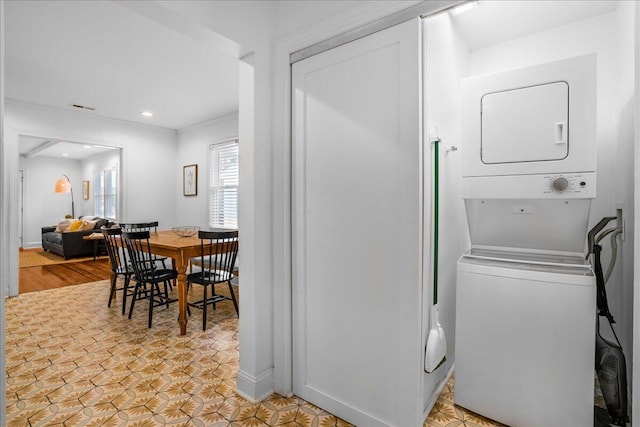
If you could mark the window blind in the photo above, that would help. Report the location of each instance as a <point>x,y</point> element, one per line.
<point>223,185</point>
<point>110,193</point>
<point>105,193</point>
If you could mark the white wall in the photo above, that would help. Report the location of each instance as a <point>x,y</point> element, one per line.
<point>43,207</point>
<point>148,155</point>
<point>611,36</point>
<point>635,409</point>
<point>622,179</point>
<point>193,148</point>
<point>446,63</point>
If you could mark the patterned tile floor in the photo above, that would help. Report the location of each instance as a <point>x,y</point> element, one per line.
<point>446,414</point>
<point>71,361</point>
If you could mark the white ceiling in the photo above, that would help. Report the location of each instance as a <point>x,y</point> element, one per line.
<point>496,21</point>
<point>102,55</point>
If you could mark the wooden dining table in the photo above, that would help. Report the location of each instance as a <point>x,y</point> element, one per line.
<point>180,250</point>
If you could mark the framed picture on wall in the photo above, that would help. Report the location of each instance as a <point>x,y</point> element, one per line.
<point>190,180</point>
<point>85,190</point>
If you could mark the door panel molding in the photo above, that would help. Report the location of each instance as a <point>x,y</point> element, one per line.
<point>357,228</point>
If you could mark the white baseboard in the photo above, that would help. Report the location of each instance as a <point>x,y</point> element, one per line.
<point>436,393</point>
<point>255,389</point>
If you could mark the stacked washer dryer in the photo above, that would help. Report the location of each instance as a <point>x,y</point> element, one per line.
<point>526,298</point>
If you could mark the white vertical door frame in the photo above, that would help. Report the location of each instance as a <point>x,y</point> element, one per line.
<point>21,207</point>
<point>357,228</point>
<point>9,213</point>
<point>5,244</point>
<point>635,403</point>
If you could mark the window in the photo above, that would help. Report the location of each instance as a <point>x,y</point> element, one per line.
<point>105,193</point>
<point>223,185</point>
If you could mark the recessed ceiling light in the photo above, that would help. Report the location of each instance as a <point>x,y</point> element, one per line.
<point>65,154</point>
<point>464,7</point>
<point>147,113</point>
<point>88,146</point>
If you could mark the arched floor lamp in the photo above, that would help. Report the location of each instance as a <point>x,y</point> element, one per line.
<point>63,185</point>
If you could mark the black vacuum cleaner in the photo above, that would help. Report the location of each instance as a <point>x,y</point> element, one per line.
<point>610,362</point>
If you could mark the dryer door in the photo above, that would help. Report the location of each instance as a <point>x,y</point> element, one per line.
<point>534,120</point>
<point>527,124</point>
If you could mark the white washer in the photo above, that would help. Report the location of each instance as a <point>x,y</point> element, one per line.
<point>525,338</point>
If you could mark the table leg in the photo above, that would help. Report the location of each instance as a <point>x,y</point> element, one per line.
<point>182,296</point>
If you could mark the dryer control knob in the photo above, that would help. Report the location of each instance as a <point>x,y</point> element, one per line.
<point>560,184</point>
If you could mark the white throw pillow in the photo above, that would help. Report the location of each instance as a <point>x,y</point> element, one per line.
<point>87,225</point>
<point>63,225</point>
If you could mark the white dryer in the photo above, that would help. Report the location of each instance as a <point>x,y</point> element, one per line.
<point>526,297</point>
<point>534,120</point>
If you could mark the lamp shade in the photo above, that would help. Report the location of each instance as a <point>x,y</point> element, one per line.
<point>63,185</point>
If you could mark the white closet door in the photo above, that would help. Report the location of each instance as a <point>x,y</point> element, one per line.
<point>357,194</point>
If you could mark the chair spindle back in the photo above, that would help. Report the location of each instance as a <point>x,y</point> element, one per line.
<point>218,251</point>
<point>139,251</point>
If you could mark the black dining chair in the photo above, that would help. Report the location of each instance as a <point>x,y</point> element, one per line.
<point>147,275</point>
<point>120,266</point>
<point>144,226</point>
<point>140,226</point>
<point>218,252</point>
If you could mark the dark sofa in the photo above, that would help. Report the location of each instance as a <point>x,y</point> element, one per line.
<point>70,244</point>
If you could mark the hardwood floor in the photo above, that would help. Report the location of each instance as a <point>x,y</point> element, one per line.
<point>59,275</point>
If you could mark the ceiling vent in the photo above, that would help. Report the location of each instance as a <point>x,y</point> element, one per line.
<point>82,107</point>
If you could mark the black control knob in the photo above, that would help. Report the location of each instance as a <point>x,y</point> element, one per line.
<point>560,184</point>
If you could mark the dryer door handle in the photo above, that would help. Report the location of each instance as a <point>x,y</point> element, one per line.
<point>561,132</point>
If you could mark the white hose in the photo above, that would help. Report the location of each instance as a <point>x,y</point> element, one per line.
<point>614,249</point>
<point>614,254</point>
